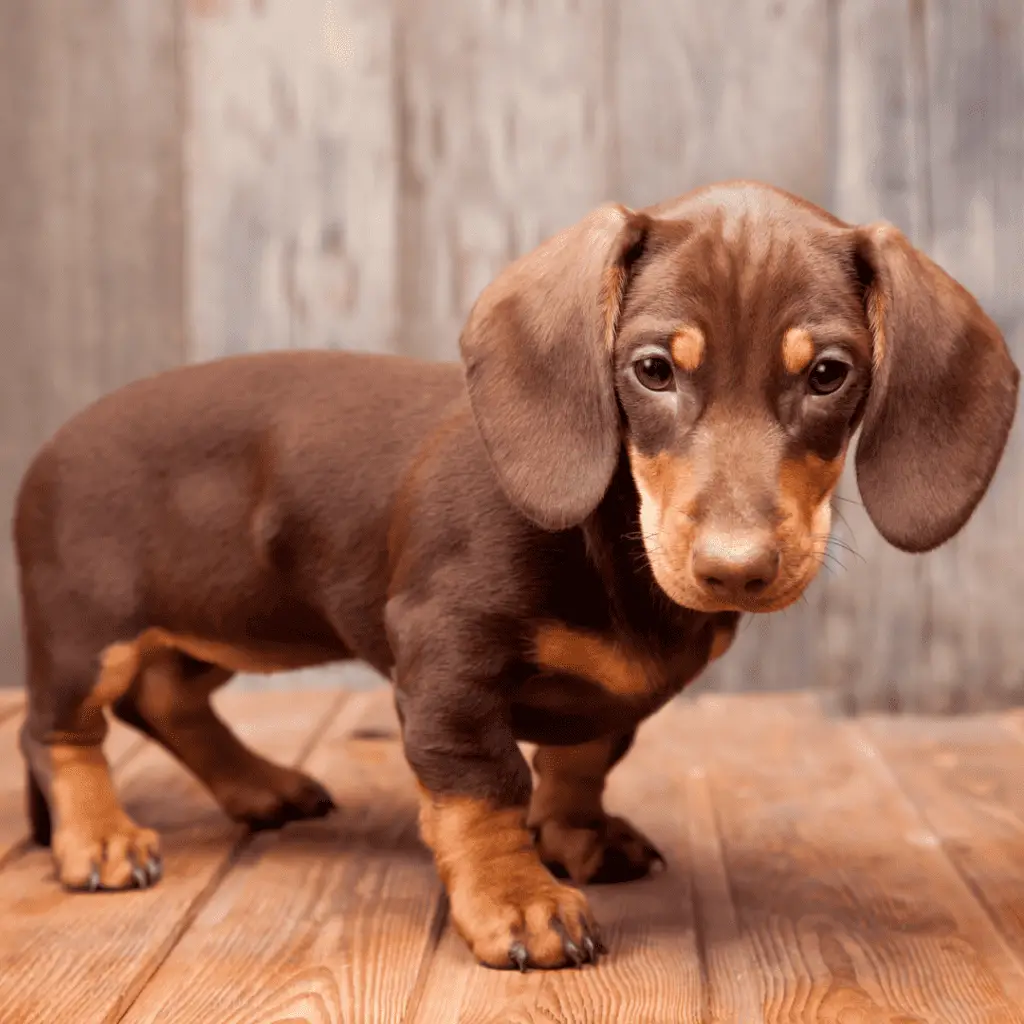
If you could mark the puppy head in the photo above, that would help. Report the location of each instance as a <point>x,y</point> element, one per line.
<point>731,342</point>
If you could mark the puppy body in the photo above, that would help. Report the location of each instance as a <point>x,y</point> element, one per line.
<point>654,412</point>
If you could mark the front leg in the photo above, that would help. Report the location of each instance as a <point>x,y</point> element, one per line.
<point>475,790</point>
<point>576,837</point>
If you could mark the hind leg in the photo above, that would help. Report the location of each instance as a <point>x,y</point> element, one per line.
<point>170,701</point>
<point>576,837</point>
<point>72,801</point>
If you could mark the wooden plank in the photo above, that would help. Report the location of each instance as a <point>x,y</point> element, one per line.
<point>966,778</point>
<point>504,124</point>
<point>91,283</point>
<point>345,906</point>
<point>649,926</point>
<point>292,176</point>
<point>705,92</point>
<point>845,911</point>
<point>68,957</point>
<point>122,744</point>
<point>874,607</point>
<point>975,61</point>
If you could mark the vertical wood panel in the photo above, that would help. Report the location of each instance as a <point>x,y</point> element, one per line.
<point>976,82</point>
<point>711,91</point>
<point>874,612</point>
<point>930,101</point>
<point>90,217</point>
<point>292,164</point>
<point>505,131</point>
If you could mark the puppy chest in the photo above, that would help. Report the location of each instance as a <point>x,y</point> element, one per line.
<point>621,671</point>
<point>611,668</point>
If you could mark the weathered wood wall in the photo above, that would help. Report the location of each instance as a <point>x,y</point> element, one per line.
<point>352,172</point>
<point>91,284</point>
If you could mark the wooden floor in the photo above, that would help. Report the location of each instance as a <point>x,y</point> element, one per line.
<point>819,870</point>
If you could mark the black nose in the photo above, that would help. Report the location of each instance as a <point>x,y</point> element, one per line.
<point>735,564</point>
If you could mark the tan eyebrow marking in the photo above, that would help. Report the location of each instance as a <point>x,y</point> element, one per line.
<point>688,348</point>
<point>797,349</point>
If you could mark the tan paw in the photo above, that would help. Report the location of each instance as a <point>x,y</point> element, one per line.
<point>271,801</point>
<point>604,852</point>
<point>106,854</point>
<point>526,922</point>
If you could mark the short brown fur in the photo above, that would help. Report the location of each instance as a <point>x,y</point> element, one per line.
<point>544,543</point>
<point>575,835</point>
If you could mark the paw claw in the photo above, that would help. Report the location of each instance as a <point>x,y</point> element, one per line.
<point>139,877</point>
<point>93,883</point>
<point>154,869</point>
<point>519,956</point>
<point>572,951</point>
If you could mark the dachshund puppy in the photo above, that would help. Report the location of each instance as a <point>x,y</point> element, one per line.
<point>545,543</point>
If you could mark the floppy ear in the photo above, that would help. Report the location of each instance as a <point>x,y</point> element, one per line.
<point>942,398</point>
<point>538,353</point>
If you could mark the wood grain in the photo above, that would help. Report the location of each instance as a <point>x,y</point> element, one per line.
<point>874,612</point>
<point>292,163</point>
<point>706,92</point>
<point>847,913</point>
<point>649,926</point>
<point>504,124</point>
<point>966,777</point>
<point>111,944</point>
<point>91,281</point>
<point>975,59</point>
<point>324,922</point>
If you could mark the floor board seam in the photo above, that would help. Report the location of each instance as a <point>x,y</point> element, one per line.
<point>438,923</point>
<point>144,976</point>
<point>863,739</point>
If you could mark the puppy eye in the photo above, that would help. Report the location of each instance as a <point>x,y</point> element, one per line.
<point>827,376</point>
<point>654,372</point>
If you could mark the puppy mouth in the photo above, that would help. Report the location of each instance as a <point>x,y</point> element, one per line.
<point>682,589</point>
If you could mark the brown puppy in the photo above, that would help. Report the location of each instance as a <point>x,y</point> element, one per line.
<point>654,413</point>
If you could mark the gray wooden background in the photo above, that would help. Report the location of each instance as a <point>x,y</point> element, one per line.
<point>182,180</point>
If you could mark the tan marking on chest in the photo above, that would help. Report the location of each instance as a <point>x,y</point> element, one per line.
<point>591,657</point>
<point>688,349</point>
<point>721,640</point>
<point>797,350</point>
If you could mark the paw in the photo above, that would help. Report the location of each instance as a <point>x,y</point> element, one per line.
<point>273,801</point>
<point>608,851</point>
<point>116,854</point>
<point>535,923</point>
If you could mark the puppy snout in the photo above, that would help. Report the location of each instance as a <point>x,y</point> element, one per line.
<point>735,565</point>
